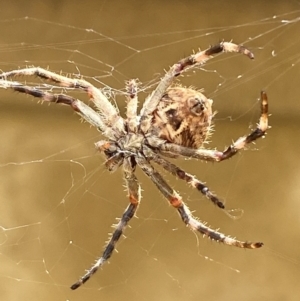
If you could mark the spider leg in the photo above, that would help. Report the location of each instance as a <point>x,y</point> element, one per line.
<point>78,106</point>
<point>134,193</point>
<point>215,155</point>
<point>254,135</point>
<point>176,201</point>
<point>132,104</point>
<point>103,105</point>
<point>177,69</point>
<point>181,174</point>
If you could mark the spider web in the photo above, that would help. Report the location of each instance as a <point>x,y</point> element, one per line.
<point>57,200</point>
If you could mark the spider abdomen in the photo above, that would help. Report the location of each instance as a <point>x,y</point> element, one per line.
<point>184,117</point>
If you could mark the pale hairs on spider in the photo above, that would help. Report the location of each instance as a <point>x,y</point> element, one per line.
<point>173,122</point>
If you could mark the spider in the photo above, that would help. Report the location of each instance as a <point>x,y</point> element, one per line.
<point>174,122</point>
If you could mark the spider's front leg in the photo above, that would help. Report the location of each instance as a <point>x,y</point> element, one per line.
<point>86,112</point>
<point>134,194</point>
<point>177,69</point>
<point>104,107</point>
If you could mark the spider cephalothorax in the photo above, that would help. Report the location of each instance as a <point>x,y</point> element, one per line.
<point>174,121</point>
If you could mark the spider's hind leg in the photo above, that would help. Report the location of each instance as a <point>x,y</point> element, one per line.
<point>134,194</point>
<point>175,200</point>
<point>181,174</point>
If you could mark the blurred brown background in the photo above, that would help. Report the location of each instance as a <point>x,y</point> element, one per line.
<point>57,202</point>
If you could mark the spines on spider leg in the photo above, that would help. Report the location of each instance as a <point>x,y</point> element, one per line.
<point>132,104</point>
<point>179,150</point>
<point>36,71</point>
<point>153,100</point>
<point>202,57</point>
<point>259,132</point>
<point>131,181</point>
<point>108,112</point>
<point>134,194</point>
<point>87,113</point>
<point>194,224</point>
<point>176,201</point>
<point>119,228</point>
<point>202,188</point>
<point>215,155</point>
<point>229,47</point>
<point>178,68</point>
<point>181,174</point>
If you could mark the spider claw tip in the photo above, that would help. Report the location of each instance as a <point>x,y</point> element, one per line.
<point>258,244</point>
